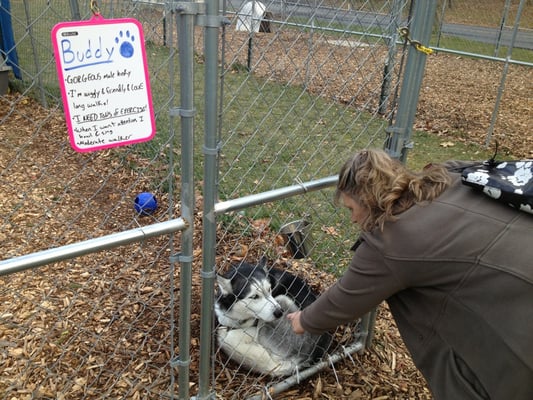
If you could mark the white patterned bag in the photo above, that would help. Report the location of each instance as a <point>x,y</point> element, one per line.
<point>510,182</point>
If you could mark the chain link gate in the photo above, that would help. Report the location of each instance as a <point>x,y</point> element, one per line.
<point>280,135</point>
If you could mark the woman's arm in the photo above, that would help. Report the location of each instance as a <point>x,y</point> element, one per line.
<point>365,284</point>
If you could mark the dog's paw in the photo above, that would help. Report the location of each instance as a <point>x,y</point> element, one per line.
<point>221,329</point>
<point>222,333</point>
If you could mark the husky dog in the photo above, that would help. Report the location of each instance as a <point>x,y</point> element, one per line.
<point>251,308</point>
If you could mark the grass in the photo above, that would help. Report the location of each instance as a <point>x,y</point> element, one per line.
<point>275,135</point>
<point>484,49</point>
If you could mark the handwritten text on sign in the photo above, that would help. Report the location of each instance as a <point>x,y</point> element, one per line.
<point>104,81</point>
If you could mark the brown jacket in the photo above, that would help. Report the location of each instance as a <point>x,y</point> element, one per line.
<point>458,277</point>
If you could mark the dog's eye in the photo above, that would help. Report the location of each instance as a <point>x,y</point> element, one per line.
<point>255,297</point>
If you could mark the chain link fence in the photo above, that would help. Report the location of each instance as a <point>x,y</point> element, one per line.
<point>105,324</point>
<point>492,45</point>
<point>305,85</point>
<point>301,86</point>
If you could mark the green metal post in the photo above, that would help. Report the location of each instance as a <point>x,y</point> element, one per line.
<point>211,29</point>
<point>388,68</point>
<point>501,87</point>
<point>400,133</point>
<point>172,268</point>
<point>185,15</point>
<point>75,10</point>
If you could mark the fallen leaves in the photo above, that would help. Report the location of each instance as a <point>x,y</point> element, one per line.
<point>447,144</point>
<point>330,230</point>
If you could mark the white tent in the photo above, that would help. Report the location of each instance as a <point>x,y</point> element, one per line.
<point>249,16</point>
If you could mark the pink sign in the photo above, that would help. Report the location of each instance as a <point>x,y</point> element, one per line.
<point>104,82</point>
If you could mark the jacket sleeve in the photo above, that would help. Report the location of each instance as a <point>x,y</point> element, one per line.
<point>365,284</point>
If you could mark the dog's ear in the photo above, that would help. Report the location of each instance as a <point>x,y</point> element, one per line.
<point>224,284</point>
<point>263,263</point>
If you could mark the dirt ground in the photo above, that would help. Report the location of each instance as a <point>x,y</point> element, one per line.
<point>456,103</point>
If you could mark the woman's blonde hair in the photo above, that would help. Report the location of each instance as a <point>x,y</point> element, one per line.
<point>385,187</point>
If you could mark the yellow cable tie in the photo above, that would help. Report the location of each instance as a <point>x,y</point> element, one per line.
<point>423,49</point>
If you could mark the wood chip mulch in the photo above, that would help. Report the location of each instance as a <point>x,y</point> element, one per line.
<point>100,326</point>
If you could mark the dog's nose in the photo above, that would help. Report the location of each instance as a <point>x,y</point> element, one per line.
<point>278,313</point>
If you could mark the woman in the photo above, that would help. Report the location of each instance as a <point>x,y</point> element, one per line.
<point>455,267</point>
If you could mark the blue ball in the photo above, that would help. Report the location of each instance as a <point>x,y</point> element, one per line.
<point>145,203</point>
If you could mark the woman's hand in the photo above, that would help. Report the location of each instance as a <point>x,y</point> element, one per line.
<point>295,322</point>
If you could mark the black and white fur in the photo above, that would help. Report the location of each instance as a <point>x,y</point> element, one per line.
<point>251,308</point>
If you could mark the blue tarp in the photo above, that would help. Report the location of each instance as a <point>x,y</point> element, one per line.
<point>7,44</point>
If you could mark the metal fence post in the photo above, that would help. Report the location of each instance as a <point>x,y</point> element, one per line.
<point>38,69</point>
<point>75,10</point>
<point>211,27</point>
<point>185,14</point>
<point>400,133</point>
<point>388,68</point>
<point>501,87</point>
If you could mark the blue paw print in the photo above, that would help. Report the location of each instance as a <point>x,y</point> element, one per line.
<point>126,48</point>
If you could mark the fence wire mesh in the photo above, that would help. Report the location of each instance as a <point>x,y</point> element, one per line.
<point>312,84</point>
<point>318,81</point>
<point>99,326</point>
